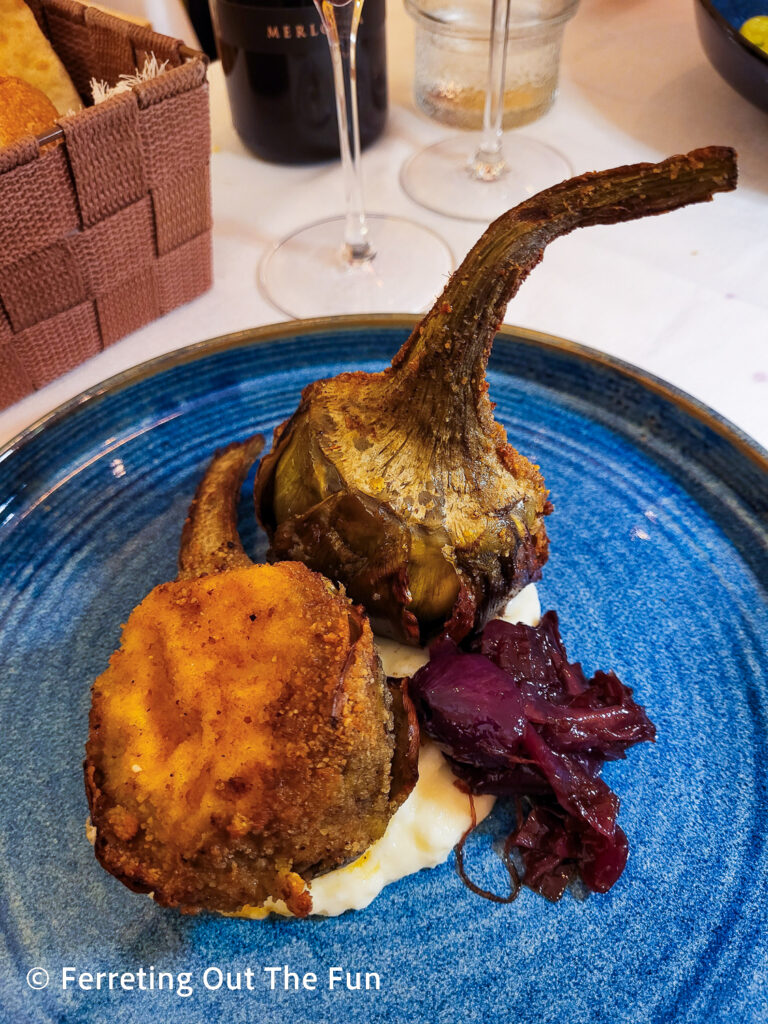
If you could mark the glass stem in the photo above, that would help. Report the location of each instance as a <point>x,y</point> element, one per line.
<point>488,162</point>
<point>341,21</point>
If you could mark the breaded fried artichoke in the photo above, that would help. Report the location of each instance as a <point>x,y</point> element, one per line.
<point>243,739</point>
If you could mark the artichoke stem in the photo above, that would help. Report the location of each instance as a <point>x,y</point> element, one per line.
<point>210,541</point>
<point>446,355</point>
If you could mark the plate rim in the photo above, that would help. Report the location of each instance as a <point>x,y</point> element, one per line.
<point>693,407</point>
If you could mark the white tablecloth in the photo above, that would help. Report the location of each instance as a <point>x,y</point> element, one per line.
<point>684,295</point>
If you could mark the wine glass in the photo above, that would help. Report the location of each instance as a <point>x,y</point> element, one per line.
<point>469,176</point>
<point>359,262</point>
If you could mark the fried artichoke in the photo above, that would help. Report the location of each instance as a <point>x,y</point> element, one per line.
<point>244,738</point>
<point>400,484</point>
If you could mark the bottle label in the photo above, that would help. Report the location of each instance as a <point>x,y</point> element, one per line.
<point>279,29</point>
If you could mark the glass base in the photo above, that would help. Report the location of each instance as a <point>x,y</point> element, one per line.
<point>440,177</point>
<point>308,274</point>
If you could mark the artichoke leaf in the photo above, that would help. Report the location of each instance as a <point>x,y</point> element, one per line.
<point>405,764</point>
<point>360,542</point>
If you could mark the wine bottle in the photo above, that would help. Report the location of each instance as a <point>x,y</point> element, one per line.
<point>279,77</point>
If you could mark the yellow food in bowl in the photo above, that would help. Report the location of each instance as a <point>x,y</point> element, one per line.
<point>756,31</point>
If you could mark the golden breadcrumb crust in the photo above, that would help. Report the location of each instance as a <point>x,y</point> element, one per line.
<point>241,740</point>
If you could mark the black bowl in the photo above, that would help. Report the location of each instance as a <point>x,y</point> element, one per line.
<point>742,64</point>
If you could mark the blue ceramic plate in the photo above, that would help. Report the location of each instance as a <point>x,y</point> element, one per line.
<point>658,570</point>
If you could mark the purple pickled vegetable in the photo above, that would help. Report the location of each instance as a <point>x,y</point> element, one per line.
<point>469,706</point>
<point>555,846</point>
<point>533,655</point>
<point>516,718</point>
<point>583,795</point>
<point>604,718</point>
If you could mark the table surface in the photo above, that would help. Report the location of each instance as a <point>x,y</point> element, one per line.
<point>684,296</point>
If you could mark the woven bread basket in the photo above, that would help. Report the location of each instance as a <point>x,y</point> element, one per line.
<point>105,222</point>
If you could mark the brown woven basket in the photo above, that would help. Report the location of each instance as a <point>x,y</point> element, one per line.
<point>108,226</point>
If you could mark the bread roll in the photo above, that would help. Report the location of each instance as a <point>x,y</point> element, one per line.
<point>24,110</point>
